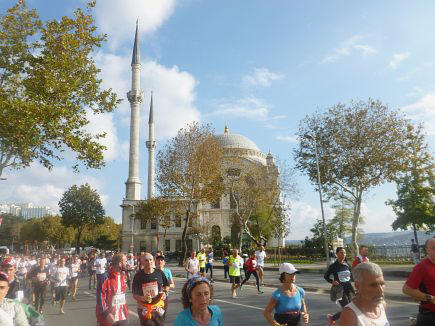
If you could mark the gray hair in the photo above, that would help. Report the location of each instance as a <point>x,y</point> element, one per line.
<point>372,268</point>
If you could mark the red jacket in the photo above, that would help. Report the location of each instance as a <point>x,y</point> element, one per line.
<point>110,288</point>
<point>251,264</point>
<point>359,259</point>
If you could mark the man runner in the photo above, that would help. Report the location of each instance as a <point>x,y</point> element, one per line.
<point>150,286</point>
<point>75,269</point>
<point>61,277</point>
<point>362,257</point>
<point>235,263</point>
<point>40,277</point>
<point>421,286</point>
<point>260,255</point>
<point>201,258</point>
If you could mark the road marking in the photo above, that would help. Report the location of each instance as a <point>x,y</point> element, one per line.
<point>239,304</point>
<point>133,313</point>
<point>90,294</point>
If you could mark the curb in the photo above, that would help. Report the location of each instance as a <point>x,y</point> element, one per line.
<point>322,290</point>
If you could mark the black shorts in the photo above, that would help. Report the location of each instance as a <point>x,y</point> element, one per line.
<point>73,279</point>
<point>234,279</point>
<point>202,269</point>
<point>61,292</point>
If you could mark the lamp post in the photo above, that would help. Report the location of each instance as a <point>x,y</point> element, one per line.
<point>319,185</point>
<point>132,228</point>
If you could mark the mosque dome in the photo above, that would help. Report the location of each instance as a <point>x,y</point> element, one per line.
<point>230,140</point>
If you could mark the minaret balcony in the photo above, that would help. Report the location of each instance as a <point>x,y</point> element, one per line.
<point>135,96</point>
<point>151,144</point>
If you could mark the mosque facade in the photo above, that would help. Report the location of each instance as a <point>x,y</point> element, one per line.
<point>214,217</point>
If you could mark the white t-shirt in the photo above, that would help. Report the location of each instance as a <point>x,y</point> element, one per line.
<point>260,255</point>
<point>193,266</point>
<point>75,268</point>
<point>62,276</point>
<point>100,263</point>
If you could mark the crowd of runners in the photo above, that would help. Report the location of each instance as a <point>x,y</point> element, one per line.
<point>25,281</point>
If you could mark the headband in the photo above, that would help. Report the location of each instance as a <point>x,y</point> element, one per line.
<point>195,280</point>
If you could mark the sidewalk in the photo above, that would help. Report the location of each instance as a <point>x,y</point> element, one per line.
<point>311,278</point>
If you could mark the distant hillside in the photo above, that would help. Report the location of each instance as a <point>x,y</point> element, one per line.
<point>387,238</point>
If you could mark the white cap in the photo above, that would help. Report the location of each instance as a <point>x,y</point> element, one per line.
<point>287,268</point>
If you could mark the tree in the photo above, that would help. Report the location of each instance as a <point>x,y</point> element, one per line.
<point>342,220</point>
<point>360,146</point>
<point>55,232</point>
<point>188,171</point>
<point>49,87</point>
<point>81,208</point>
<point>414,206</point>
<point>106,235</point>
<point>10,229</point>
<point>255,192</point>
<point>156,210</point>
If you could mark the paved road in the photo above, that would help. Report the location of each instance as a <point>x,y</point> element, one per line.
<point>247,309</point>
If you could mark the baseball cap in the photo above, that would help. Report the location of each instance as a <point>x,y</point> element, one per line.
<point>9,262</point>
<point>288,268</point>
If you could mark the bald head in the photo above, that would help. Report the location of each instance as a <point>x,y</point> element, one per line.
<point>147,261</point>
<point>430,249</point>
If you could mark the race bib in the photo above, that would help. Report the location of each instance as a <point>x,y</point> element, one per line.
<point>41,277</point>
<point>151,289</point>
<point>118,299</point>
<point>62,276</point>
<point>20,295</point>
<point>236,265</point>
<point>344,276</point>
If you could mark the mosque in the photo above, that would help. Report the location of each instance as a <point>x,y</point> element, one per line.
<point>137,236</point>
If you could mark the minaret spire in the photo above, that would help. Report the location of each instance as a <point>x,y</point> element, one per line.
<point>135,97</point>
<point>151,145</point>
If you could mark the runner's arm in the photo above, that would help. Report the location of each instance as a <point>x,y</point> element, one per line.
<point>268,312</point>
<point>415,293</point>
<point>348,318</point>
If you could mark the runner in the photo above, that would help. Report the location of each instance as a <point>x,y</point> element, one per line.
<point>8,266</point>
<point>11,311</point>
<point>368,306</point>
<point>160,264</point>
<point>251,269</point>
<point>114,309</point>
<point>225,262</point>
<point>260,255</point>
<point>150,286</point>
<point>209,266</point>
<point>40,276</point>
<point>52,269</point>
<point>21,274</point>
<point>74,270</point>
<point>192,265</point>
<point>421,286</point>
<point>131,267</point>
<point>415,252</point>
<point>100,264</point>
<point>202,259</point>
<point>62,276</point>
<point>341,281</point>
<point>92,269</point>
<point>196,296</point>
<point>362,257</point>
<point>235,262</point>
<point>287,301</point>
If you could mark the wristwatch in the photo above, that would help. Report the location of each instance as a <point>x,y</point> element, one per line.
<point>429,297</point>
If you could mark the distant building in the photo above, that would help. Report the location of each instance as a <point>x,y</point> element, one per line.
<point>26,210</point>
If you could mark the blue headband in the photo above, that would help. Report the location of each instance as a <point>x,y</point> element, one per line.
<point>195,280</point>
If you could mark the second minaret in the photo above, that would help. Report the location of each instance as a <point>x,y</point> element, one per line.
<point>151,145</point>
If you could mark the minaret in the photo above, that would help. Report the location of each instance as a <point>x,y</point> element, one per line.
<point>135,97</point>
<point>151,145</point>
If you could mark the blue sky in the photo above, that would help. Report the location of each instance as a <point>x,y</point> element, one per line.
<point>260,67</point>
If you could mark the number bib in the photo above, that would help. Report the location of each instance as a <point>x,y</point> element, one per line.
<point>118,299</point>
<point>151,289</point>
<point>41,277</point>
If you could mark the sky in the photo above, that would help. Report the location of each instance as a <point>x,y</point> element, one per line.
<point>258,66</point>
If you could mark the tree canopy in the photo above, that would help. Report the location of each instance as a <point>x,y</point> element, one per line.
<point>188,171</point>
<point>414,206</point>
<point>360,146</point>
<point>49,86</point>
<point>81,208</point>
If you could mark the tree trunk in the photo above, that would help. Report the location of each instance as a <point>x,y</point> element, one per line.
<point>355,224</point>
<point>79,235</point>
<point>414,228</point>
<point>183,239</point>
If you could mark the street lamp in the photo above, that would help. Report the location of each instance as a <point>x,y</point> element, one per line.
<point>132,228</point>
<point>319,185</point>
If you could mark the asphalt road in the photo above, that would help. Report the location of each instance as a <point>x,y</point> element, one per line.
<point>247,309</point>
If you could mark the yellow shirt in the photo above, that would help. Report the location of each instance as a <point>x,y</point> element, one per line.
<point>201,258</point>
<point>235,264</point>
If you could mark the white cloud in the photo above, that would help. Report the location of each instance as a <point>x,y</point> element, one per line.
<point>288,139</point>
<point>260,77</point>
<point>423,110</point>
<point>351,45</point>
<point>397,59</point>
<point>40,186</point>
<point>174,93</point>
<point>117,18</point>
<point>248,107</point>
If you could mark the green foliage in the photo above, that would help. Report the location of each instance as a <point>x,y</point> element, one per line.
<point>10,229</point>
<point>360,146</point>
<point>414,206</point>
<point>49,86</point>
<point>81,208</point>
<point>106,235</point>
